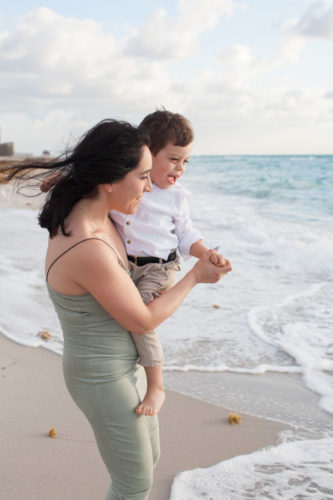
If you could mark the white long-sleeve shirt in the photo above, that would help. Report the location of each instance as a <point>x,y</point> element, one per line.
<point>161,224</point>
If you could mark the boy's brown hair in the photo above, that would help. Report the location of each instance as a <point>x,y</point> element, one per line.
<point>164,126</point>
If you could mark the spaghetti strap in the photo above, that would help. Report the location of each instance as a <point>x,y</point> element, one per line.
<point>78,243</point>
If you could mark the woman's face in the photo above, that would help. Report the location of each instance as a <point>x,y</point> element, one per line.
<point>127,193</point>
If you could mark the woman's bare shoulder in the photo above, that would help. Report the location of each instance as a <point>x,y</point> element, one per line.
<point>75,263</point>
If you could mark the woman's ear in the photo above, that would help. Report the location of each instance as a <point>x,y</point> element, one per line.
<point>108,187</point>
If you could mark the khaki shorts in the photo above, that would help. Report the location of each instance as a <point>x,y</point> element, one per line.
<point>151,279</point>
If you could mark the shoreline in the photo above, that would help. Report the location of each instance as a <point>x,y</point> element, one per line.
<point>194,433</point>
<point>280,397</point>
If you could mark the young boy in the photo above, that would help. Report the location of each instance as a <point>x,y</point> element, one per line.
<point>160,227</point>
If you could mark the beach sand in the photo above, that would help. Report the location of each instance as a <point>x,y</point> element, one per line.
<point>34,466</point>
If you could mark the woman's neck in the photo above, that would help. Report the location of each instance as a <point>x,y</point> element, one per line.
<point>93,214</point>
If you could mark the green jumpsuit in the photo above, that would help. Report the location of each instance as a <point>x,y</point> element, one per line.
<point>102,374</point>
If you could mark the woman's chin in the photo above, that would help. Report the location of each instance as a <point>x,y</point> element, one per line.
<point>127,210</point>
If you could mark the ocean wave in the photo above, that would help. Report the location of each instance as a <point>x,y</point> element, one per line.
<point>301,469</point>
<point>257,370</point>
<point>301,327</point>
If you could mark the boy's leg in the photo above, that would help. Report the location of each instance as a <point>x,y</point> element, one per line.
<point>150,280</point>
<point>155,396</point>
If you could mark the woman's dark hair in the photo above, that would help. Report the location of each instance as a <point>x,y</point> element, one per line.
<point>105,154</point>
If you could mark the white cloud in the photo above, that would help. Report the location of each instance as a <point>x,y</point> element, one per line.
<point>200,15</point>
<point>50,60</point>
<point>317,21</point>
<point>57,61</point>
<point>244,90</point>
<point>239,67</point>
<point>47,42</point>
<point>164,37</point>
<point>291,47</point>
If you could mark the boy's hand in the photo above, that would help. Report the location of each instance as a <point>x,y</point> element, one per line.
<point>217,259</point>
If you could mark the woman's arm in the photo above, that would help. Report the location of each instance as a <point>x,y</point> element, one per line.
<point>98,272</point>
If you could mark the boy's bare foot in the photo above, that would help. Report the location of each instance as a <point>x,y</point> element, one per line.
<point>152,402</point>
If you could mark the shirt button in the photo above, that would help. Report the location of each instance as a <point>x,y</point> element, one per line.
<point>128,241</point>
<point>128,222</point>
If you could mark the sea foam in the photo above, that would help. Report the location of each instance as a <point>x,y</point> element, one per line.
<point>302,469</point>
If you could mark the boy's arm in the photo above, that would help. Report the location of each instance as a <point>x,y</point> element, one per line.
<point>198,249</point>
<point>190,241</point>
<point>187,236</point>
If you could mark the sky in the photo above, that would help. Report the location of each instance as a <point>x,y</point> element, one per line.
<point>253,77</point>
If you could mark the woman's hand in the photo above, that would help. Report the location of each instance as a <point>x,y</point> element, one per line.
<point>217,259</point>
<point>207,271</point>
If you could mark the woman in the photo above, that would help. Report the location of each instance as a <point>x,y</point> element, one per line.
<point>89,282</point>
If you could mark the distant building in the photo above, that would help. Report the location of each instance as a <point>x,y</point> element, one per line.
<point>7,149</point>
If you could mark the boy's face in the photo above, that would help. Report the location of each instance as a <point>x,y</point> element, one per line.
<point>169,164</point>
